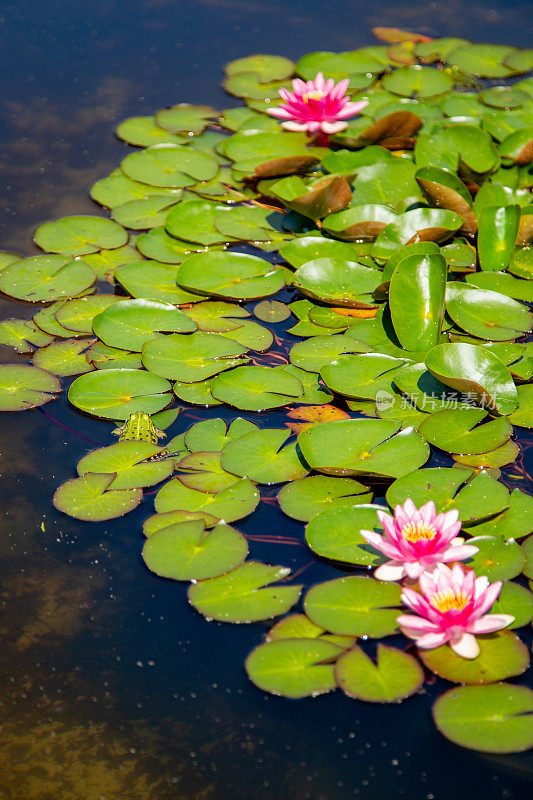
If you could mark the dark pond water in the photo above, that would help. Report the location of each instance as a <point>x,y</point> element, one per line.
<point>112,688</point>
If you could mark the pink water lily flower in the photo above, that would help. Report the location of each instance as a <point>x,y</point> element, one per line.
<point>451,607</point>
<point>317,105</point>
<point>415,540</point>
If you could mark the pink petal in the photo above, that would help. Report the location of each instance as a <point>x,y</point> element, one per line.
<point>459,553</point>
<point>465,645</point>
<point>490,623</point>
<point>428,512</point>
<point>416,623</point>
<point>334,127</point>
<point>487,599</point>
<point>282,113</point>
<point>414,569</point>
<point>294,126</point>
<point>430,640</point>
<point>391,571</point>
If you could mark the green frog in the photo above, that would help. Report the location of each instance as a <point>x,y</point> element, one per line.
<point>139,428</point>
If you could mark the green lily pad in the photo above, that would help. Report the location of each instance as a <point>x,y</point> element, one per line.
<point>487,314</point>
<point>261,457</point>
<point>192,357</point>
<point>216,316</point>
<point>362,447</point>
<point>416,300</point>
<point>303,499</point>
<point>118,393</point>
<point>88,498</point>
<point>144,132</point>
<point>204,472</point>
<point>496,559</point>
<point>132,323</point>
<point>150,212</point>
<point>498,229</point>
<point>335,533</point>
<point>25,336</point>
<point>170,166</point>
<point>476,370</point>
<point>235,502</point>
<point>23,387</point>
<point>363,376</point>
<point>152,280</point>
<point>197,393</point>
<point>485,60</point>
<point>185,118</point>
<point>503,283</point>
<point>156,244</point>
<point>257,388</point>
<point>268,68</point>
<point>501,655</point>
<point>513,523</point>
<point>499,457</point>
<point>78,315</point>
<point>129,462</point>
<point>230,276</point>
<point>104,357</point>
<point>244,594</point>
<point>387,183</point>
<point>517,601</point>
<point>272,311</point>
<point>185,551</point>
<point>420,224</point>
<point>170,518</point>
<point>310,248</point>
<point>394,676</point>
<point>459,431</point>
<point>341,283</point>
<point>523,416</point>
<point>319,351</point>
<point>293,667</point>
<point>445,190</point>
<point>417,81</point>
<point>64,358</point>
<point>475,497</point>
<point>359,222</point>
<point>491,719</point>
<point>354,606</point>
<point>214,434</point>
<point>250,224</point>
<point>45,278</point>
<point>78,235</point>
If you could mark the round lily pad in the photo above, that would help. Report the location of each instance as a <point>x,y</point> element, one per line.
<point>132,323</point>
<point>492,719</point>
<point>303,499</point>
<point>185,551</point>
<point>23,387</point>
<point>362,447</point>
<point>78,235</point>
<point>517,601</point>
<point>355,606</point>
<point>474,497</point>
<point>87,498</point>
<point>257,388</point>
<point>46,278</point>
<point>204,472</point>
<point>64,358</point>
<point>459,431</point>
<point>244,594</point>
<point>118,393</point>
<point>293,667</point>
<point>501,655</point>
<point>262,457</point>
<point>272,311</point>
<point>230,276</point>
<point>235,502</point>
<point>170,166</point>
<point>417,81</point>
<point>394,676</point>
<point>78,315</point>
<point>336,534</point>
<point>214,434</point>
<point>193,357</point>
<point>496,558</point>
<point>129,462</point>
<point>338,282</point>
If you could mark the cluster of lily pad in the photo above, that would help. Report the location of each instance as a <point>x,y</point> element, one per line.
<point>401,247</point>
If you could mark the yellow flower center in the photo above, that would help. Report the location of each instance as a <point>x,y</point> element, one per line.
<point>421,530</point>
<point>315,95</point>
<point>450,601</point>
